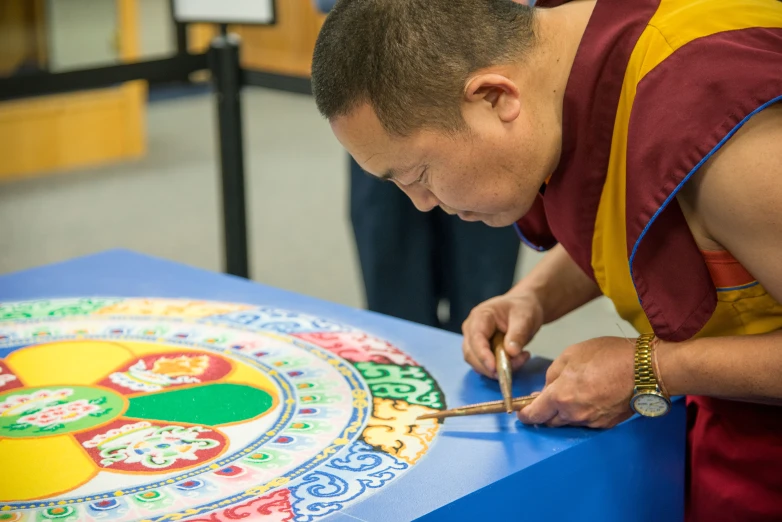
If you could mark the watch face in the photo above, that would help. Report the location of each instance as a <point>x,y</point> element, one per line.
<point>650,405</point>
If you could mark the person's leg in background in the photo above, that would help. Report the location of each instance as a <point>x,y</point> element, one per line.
<point>396,248</point>
<point>475,262</point>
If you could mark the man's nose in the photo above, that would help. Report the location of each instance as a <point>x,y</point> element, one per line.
<point>422,198</point>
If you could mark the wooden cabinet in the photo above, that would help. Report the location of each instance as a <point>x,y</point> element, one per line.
<point>56,133</point>
<point>61,132</point>
<point>22,34</point>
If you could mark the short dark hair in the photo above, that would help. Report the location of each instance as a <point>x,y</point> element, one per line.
<point>409,59</point>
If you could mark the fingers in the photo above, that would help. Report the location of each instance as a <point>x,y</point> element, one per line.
<point>542,410</point>
<point>475,362</point>
<point>547,410</point>
<point>523,323</point>
<point>478,329</point>
<point>554,370</point>
<point>519,317</point>
<point>519,360</point>
<point>558,421</point>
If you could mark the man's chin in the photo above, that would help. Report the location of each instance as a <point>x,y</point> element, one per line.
<point>498,223</point>
<point>495,221</point>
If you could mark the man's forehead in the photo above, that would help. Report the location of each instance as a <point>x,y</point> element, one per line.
<point>360,124</point>
<point>362,135</point>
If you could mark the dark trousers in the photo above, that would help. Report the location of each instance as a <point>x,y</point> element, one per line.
<point>411,260</point>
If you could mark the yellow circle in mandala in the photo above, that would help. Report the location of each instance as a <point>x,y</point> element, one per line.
<point>75,467</point>
<point>68,362</point>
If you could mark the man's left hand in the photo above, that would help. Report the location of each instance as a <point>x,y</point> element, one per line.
<point>590,384</point>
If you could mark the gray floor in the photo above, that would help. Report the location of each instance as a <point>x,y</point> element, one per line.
<point>167,205</point>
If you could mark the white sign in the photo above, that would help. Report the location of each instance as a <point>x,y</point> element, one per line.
<point>225,11</point>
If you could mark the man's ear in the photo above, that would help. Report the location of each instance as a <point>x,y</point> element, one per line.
<point>497,90</point>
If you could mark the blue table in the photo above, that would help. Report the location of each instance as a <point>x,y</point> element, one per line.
<point>480,468</point>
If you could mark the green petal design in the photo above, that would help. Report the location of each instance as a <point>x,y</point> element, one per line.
<point>206,405</point>
<point>51,416</point>
<point>51,308</point>
<point>409,383</point>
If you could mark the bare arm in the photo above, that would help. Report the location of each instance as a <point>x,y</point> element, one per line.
<point>738,198</point>
<point>559,284</point>
<point>747,368</point>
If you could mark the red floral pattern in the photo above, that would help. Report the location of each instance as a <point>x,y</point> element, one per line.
<point>275,507</point>
<point>60,413</point>
<point>358,347</point>
<point>167,370</point>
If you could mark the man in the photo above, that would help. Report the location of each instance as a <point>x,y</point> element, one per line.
<point>639,142</point>
<point>415,266</point>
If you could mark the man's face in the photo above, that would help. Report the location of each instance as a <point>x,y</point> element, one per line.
<point>490,174</point>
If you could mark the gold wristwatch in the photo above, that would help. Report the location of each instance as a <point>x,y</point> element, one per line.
<point>648,399</point>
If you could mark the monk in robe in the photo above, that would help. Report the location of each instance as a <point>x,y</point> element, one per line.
<point>639,143</point>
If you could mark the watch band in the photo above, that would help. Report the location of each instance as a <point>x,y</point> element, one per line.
<point>645,378</point>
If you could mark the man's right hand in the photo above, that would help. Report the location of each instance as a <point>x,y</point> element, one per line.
<point>554,287</point>
<point>517,314</point>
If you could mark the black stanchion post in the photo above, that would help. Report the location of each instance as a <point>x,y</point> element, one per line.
<point>180,38</point>
<point>226,77</point>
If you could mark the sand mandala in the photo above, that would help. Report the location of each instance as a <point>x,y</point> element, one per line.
<point>163,409</point>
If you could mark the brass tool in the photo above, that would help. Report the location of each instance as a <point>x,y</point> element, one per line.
<point>481,408</point>
<point>504,369</point>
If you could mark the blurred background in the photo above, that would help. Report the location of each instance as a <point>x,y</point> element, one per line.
<point>136,165</point>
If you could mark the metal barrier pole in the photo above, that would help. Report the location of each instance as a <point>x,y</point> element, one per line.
<point>180,36</point>
<point>226,77</point>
